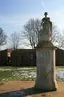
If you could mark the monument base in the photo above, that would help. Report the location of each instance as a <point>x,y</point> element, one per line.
<point>45,60</point>
<point>45,86</point>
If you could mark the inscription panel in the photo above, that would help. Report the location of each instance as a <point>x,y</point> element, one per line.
<point>43,57</point>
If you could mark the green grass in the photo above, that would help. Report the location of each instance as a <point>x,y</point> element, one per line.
<point>8,73</point>
<point>5,75</point>
<point>14,67</point>
<point>16,73</point>
<point>59,66</point>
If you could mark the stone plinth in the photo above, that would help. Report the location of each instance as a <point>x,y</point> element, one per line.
<point>45,58</point>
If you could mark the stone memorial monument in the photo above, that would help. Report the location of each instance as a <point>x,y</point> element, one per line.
<point>45,58</point>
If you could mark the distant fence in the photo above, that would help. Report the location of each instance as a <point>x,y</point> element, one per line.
<point>3,57</point>
<point>23,57</point>
<point>60,57</point>
<point>26,57</point>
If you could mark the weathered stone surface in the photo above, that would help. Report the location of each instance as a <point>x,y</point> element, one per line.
<point>45,58</point>
<point>45,69</point>
<point>46,31</point>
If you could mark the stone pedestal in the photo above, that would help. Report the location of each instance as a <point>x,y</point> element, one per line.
<point>46,74</point>
<point>45,58</point>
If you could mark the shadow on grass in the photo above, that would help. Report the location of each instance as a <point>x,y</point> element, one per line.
<point>22,93</point>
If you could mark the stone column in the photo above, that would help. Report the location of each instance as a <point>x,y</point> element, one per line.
<point>45,58</point>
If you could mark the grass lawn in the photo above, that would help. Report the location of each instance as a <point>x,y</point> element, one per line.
<point>17,73</point>
<point>25,73</point>
<point>59,66</point>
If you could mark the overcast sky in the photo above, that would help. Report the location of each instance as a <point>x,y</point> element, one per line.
<point>15,13</point>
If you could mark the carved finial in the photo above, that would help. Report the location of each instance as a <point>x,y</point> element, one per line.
<point>45,14</point>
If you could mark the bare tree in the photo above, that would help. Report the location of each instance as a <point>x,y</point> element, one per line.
<point>56,36</point>
<point>62,40</point>
<point>31,31</point>
<point>2,37</point>
<point>14,40</point>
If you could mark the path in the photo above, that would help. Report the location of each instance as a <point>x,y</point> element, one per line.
<point>25,89</point>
